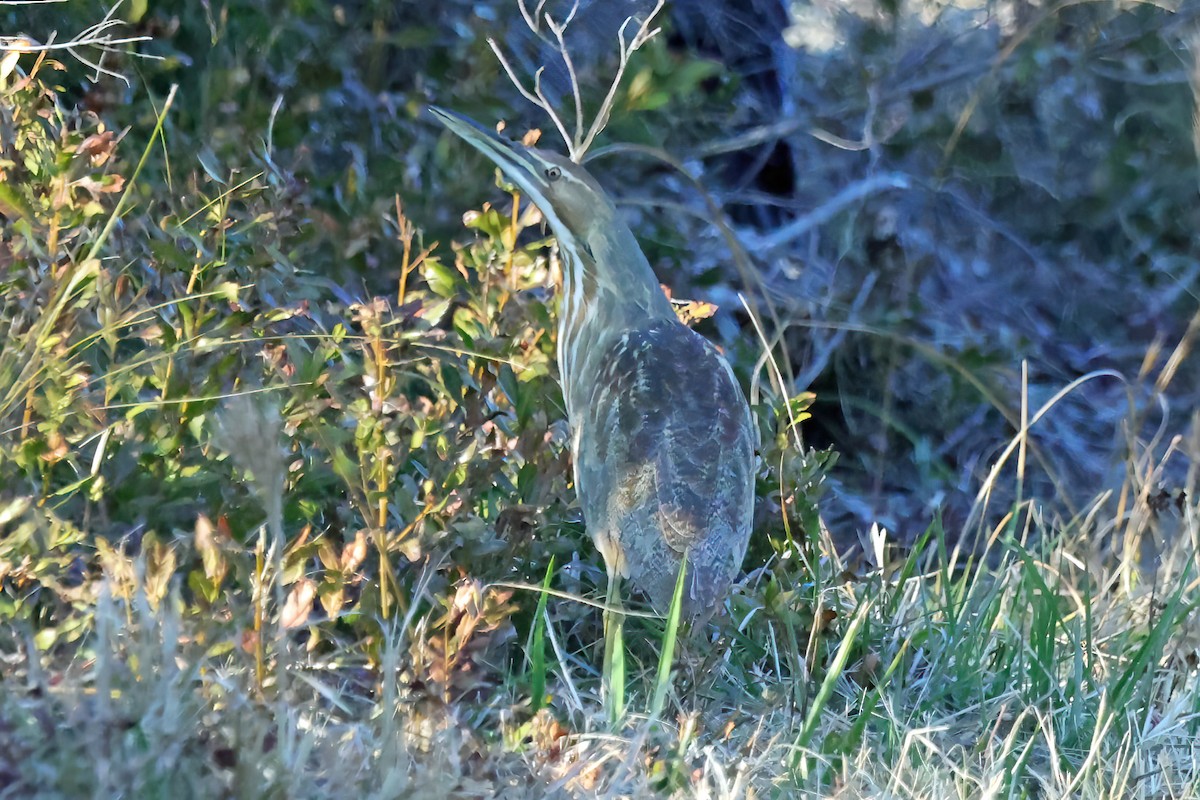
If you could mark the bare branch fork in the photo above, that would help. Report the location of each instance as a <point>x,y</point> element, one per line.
<point>583,135</point>
<point>98,36</point>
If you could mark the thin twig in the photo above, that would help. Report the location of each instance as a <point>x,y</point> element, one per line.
<point>96,36</point>
<point>584,134</point>
<point>536,97</point>
<point>559,31</point>
<point>643,35</point>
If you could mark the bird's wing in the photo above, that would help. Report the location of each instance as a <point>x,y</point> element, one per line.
<point>671,429</point>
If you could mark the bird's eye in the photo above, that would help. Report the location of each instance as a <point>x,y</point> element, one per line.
<point>553,173</point>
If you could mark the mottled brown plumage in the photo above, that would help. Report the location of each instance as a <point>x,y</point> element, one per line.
<point>662,437</point>
<point>664,464</point>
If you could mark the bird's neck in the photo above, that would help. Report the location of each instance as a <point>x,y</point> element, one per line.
<point>608,289</point>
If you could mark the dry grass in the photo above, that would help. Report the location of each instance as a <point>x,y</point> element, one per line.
<point>1046,671</point>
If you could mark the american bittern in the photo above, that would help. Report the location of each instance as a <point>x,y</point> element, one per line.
<point>662,437</point>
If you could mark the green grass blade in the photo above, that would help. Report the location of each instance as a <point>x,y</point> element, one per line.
<point>871,699</point>
<point>613,679</point>
<point>614,669</point>
<point>662,679</point>
<point>1151,648</point>
<point>831,676</point>
<point>537,646</point>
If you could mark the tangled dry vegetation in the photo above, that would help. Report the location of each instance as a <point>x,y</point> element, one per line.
<point>265,535</point>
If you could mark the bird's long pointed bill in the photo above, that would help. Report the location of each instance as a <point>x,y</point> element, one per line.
<point>520,167</point>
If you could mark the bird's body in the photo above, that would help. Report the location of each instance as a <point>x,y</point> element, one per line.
<point>663,464</point>
<point>662,437</point>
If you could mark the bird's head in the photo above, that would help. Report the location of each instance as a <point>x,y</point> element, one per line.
<point>570,199</point>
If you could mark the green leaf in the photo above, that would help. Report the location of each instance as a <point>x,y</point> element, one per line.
<point>443,280</point>
<point>45,638</point>
<point>537,646</point>
<point>490,223</point>
<point>202,587</point>
<point>13,206</point>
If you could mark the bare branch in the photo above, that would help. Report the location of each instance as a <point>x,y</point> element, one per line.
<point>579,142</point>
<point>558,31</point>
<point>27,45</point>
<point>512,76</point>
<point>533,19</point>
<point>850,195</point>
<point>537,96</point>
<point>545,103</point>
<point>571,15</point>
<point>98,36</point>
<point>644,34</point>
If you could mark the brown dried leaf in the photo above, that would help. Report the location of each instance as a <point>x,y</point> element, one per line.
<point>692,311</point>
<point>299,603</point>
<point>211,556</point>
<point>160,568</point>
<point>328,555</point>
<point>354,552</point>
<point>868,670</point>
<point>106,185</point>
<point>299,541</point>
<point>57,448</point>
<point>531,137</point>
<point>98,148</point>
<point>8,62</point>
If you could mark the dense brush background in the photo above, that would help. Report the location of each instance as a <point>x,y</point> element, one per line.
<point>934,217</point>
